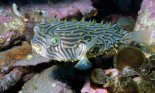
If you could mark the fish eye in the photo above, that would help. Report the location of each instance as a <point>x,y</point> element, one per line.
<point>54,40</point>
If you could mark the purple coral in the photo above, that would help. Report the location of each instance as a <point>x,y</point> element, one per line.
<point>87,88</point>
<point>145,23</point>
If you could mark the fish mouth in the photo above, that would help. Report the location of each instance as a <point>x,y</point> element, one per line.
<point>36,48</point>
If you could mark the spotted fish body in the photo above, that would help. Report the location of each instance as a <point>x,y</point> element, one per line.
<point>74,40</point>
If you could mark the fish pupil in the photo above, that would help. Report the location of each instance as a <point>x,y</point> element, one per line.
<point>54,40</point>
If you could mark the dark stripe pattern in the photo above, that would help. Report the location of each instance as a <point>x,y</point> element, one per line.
<point>74,38</point>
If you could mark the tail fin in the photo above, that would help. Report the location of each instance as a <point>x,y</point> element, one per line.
<point>146,37</point>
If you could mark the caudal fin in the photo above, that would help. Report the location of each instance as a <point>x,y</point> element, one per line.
<point>146,37</point>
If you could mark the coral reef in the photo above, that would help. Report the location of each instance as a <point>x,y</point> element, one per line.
<point>116,66</point>
<point>144,86</point>
<point>145,23</point>
<point>152,61</point>
<point>128,77</point>
<point>10,80</point>
<point>122,85</point>
<point>116,83</point>
<point>98,76</point>
<point>87,88</point>
<point>7,58</point>
<point>67,9</point>
<point>11,31</point>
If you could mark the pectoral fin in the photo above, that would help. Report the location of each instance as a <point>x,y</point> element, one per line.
<point>83,64</point>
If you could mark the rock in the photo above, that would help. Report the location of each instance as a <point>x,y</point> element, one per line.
<point>7,58</point>
<point>145,23</point>
<point>144,86</point>
<point>49,81</point>
<point>62,10</point>
<point>9,80</point>
<point>10,31</point>
<point>98,76</point>
<point>118,84</point>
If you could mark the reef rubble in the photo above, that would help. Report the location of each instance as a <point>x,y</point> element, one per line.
<point>115,72</point>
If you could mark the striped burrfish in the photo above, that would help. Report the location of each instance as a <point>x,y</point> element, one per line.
<point>72,41</point>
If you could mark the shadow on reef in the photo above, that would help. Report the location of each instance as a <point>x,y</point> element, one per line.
<point>113,7</point>
<point>71,76</point>
<point>105,7</point>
